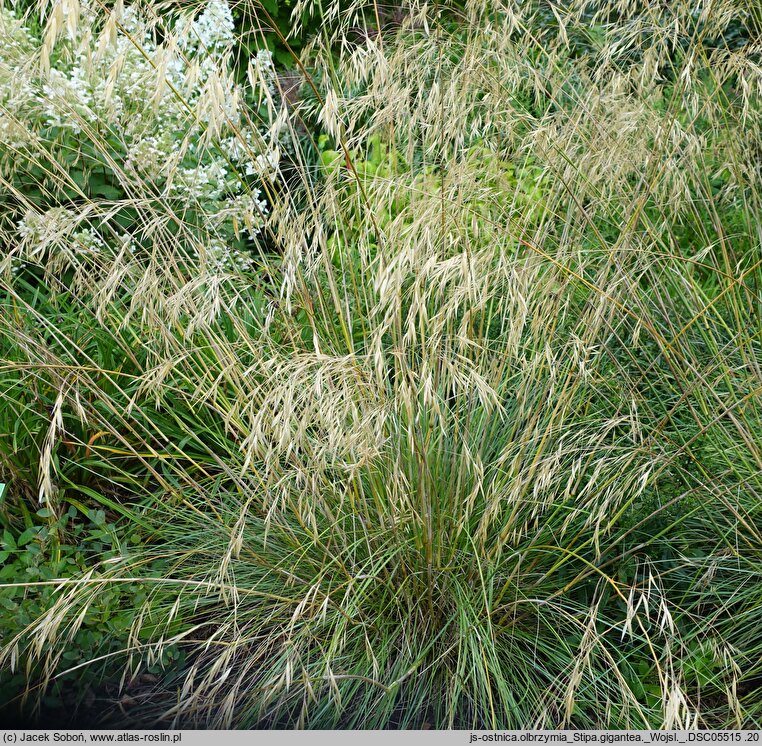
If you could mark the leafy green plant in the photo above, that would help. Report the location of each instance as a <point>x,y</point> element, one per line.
<point>79,541</point>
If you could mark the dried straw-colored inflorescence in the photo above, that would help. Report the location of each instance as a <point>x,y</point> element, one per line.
<point>399,435</point>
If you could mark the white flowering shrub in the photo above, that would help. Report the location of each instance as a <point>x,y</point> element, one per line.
<point>118,131</point>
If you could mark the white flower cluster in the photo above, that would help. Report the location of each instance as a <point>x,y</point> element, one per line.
<point>17,42</point>
<point>41,228</point>
<point>15,88</point>
<point>246,213</point>
<point>220,257</point>
<point>149,157</point>
<point>58,229</point>
<point>68,99</point>
<point>13,134</point>
<point>171,112</point>
<point>244,152</point>
<point>213,31</point>
<point>203,182</point>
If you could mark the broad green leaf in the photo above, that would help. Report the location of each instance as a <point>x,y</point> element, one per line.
<point>27,536</point>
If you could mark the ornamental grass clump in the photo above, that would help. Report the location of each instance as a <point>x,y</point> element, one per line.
<point>472,438</point>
